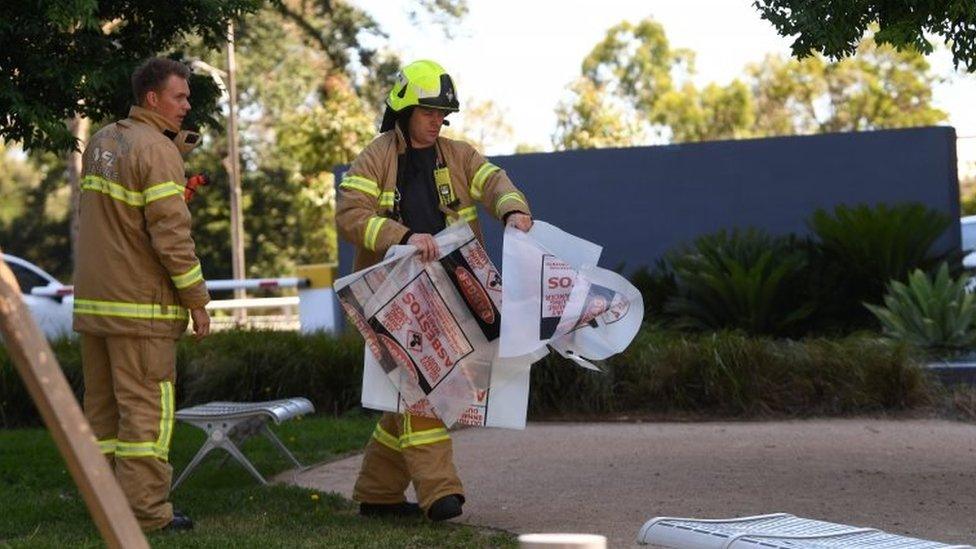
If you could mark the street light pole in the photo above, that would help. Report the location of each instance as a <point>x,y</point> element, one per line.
<point>233,165</point>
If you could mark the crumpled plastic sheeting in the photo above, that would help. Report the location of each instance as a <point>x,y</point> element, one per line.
<point>556,296</point>
<point>431,331</point>
<point>455,340</point>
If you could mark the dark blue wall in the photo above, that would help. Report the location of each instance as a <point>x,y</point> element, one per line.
<point>640,202</point>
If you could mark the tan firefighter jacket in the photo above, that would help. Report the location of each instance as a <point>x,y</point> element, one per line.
<point>367,193</point>
<point>136,272</point>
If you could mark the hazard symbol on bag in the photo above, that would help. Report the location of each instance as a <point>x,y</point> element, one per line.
<point>494,281</point>
<point>415,341</point>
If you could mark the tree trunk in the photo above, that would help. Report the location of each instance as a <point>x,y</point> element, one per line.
<point>79,126</point>
<point>233,165</point>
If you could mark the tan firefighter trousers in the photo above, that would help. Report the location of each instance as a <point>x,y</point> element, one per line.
<point>129,401</point>
<point>407,448</point>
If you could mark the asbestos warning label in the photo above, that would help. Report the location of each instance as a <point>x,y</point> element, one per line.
<point>419,320</point>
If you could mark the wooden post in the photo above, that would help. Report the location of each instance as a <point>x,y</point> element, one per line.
<point>233,165</point>
<point>52,395</point>
<point>79,126</point>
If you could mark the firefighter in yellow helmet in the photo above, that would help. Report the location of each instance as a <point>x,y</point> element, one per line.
<point>407,185</point>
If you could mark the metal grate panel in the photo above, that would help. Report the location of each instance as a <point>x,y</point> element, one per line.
<point>777,531</point>
<point>277,410</point>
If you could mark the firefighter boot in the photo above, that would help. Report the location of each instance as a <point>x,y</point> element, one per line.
<point>446,508</point>
<point>180,523</point>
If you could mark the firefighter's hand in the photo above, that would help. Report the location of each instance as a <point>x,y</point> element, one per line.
<point>520,221</point>
<point>201,323</point>
<point>426,245</point>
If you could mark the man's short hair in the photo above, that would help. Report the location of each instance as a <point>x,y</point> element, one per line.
<point>153,73</point>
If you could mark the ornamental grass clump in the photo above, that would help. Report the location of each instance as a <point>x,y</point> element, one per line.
<point>731,374</point>
<point>722,374</point>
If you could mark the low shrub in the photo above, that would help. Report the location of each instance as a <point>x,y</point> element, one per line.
<point>558,387</point>
<point>730,374</point>
<point>16,407</point>
<point>790,286</point>
<point>724,374</point>
<point>657,286</point>
<point>234,365</point>
<point>266,365</point>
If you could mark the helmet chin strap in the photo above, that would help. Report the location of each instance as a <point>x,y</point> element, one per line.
<point>389,120</point>
<point>403,120</point>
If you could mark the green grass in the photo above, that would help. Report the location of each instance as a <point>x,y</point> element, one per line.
<point>40,506</point>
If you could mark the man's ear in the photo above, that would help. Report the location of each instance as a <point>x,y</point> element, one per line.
<point>152,99</point>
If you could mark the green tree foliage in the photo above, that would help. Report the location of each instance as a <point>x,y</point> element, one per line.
<point>302,114</point>
<point>634,78</point>
<point>34,211</point>
<point>592,120</point>
<point>967,195</point>
<point>309,90</point>
<point>444,13</point>
<point>483,124</point>
<point>635,85</point>
<point>714,112</point>
<point>310,93</point>
<point>637,62</point>
<point>835,27</point>
<point>318,139</point>
<point>16,175</point>
<point>61,58</point>
<point>879,87</point>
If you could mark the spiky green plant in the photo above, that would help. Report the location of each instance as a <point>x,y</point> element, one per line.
<point>862,248</point>
<point>744,280</point>
<point>932,313</point>
<point>657,286</point>
<point>883,242</point>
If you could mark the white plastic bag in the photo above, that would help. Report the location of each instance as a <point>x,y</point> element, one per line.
<point>431,332</point>
<point>554,294</point>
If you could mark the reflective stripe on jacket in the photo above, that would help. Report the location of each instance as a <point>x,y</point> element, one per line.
<point>366,194</point>
<point>136,271</point>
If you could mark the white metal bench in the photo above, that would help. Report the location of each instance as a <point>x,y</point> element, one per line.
<point>228,424</point>
<point>776,531</point>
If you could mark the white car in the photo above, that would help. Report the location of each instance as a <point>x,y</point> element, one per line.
<point>52,309</point>
<point>967,226</point>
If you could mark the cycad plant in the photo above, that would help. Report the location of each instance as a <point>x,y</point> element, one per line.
<point>657,286</point>
<point>744,280</point>
<point>862,248</point>
<point>884,242</point>
<point>931,313</point>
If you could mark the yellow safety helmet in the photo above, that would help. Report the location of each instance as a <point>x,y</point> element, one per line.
<point>426,84</point>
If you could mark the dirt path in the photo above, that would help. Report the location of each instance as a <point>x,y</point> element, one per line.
<point>915,477</point>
